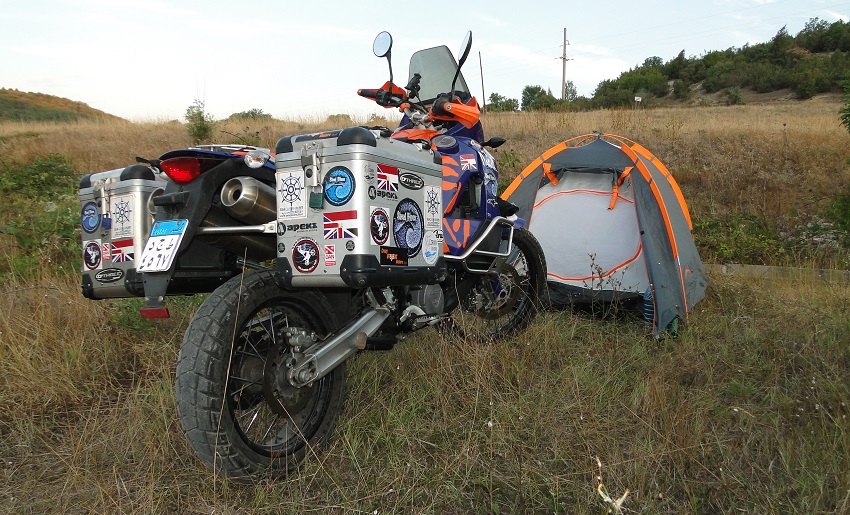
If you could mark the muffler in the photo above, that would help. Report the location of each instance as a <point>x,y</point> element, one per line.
<point>249,200</point>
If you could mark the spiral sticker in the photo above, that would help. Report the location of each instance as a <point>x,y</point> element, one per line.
<point>90,217</point>
<point>338,185</point>
<point>408,226</point>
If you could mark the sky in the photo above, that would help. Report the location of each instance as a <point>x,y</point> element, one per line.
<point>148,60</point>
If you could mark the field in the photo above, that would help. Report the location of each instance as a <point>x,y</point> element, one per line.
<point>746,411</point>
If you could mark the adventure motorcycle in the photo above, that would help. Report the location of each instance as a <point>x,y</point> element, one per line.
<point>339,242</point>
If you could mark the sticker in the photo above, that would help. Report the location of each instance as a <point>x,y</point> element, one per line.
<point>109,275</point>
<point>305,255</point>
<point>122,251</point>
<point>106,251</point>
<point>393,256</point>
<point>349,245</point>
<point>430,248</point>
<point>487,157</point>
<point>439,235</point>
<point>291,197</point>
<point>92,254</point>
<point>342,224</point>
<point>317,135</point>
<point>338,186</point>
<point>387,183</point>
<point>281,248</point>
<point>309,226</point>
<point>408,226</point>
<point>373,193</point>
<point>281,228</point>
<point>121,210</point>
<point>433,207</point>
<point>491,185</point>
<point>411,181</point>
<point>90,217</point>
<point>379,225</point>
<point>369,176</point>
<point>330,255</point>
<point>468,162</point>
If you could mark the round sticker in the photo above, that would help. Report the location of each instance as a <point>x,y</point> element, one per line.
<point>91,255</point>
<point>305,255</point>
<point>430,248</point>
<point>90,217</point>
<point>408,227</point>
<point>339,185</point>
<point>379,226</point>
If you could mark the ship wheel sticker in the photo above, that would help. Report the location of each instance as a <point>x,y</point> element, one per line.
<point>290,189</point>
<point>408,227</point>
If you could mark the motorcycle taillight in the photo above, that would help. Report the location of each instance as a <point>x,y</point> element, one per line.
<point>185,169</point>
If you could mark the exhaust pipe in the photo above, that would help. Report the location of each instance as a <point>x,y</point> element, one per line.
<point>249,200</point>
<point>259,247</point>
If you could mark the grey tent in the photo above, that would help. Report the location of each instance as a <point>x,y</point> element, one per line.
<point>613,224</point>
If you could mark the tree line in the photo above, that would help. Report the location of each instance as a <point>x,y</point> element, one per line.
<point>816,60</point>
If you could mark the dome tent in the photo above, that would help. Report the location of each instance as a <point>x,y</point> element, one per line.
<point>613,225</point>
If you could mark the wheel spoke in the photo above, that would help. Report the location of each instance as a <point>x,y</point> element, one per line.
<point>256,413</point>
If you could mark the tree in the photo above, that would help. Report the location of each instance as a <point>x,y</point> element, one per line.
<point>198,123</point>
<point>529,94</point>
<point>251,114</point>
<point>570,91</point>
<point>499,103</point>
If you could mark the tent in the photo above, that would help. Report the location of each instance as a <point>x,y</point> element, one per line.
<point>613,225</point>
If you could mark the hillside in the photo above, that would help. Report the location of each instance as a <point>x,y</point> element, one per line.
<point>37,107</point>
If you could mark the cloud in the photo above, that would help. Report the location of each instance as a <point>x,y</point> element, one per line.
<point>489,19</point>
<point>837,16</point>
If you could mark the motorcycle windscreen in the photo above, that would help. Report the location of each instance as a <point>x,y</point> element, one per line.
<point>437,66</point>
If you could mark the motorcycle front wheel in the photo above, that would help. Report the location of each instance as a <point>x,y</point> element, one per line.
<point>501,305</point>
<point>238,413</point>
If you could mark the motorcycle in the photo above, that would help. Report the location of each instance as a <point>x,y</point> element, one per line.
<point>333,244</point>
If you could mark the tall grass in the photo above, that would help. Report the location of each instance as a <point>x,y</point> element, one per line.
<point>747,410</point>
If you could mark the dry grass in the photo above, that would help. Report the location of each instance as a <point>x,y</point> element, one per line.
<point>745,411</point>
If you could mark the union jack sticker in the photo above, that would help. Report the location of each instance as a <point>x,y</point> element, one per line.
<point>342,224</point>
<point>387,178</point>
<point>122,250</point>
<point>468,162</point>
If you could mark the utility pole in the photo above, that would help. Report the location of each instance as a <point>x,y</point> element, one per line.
<point>564,71</point>
<point>481,70</point>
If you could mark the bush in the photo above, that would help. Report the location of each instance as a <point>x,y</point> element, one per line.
<point>198,123</point>
<point>46,176</point>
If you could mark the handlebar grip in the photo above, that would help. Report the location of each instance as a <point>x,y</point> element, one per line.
<point>368,93</point>
<point>439,107</point>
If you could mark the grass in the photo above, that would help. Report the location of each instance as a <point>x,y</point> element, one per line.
<point>745,411</point>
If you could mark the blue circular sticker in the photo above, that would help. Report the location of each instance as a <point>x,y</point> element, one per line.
<point>408,226</point>
<point>339,185</point>
<point>90,217</point>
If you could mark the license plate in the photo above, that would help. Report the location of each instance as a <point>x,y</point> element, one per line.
<point>162,245</point>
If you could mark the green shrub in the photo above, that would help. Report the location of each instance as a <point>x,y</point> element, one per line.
<point>737,238</point>
<point>46,176</point>
<point>199,124</point>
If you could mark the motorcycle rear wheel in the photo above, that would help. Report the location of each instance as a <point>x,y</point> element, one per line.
<point>501,306</point>
<point>238,416</point>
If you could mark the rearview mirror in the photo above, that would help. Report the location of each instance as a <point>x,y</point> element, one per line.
<point>383,44</point>
<point>465,47</point>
